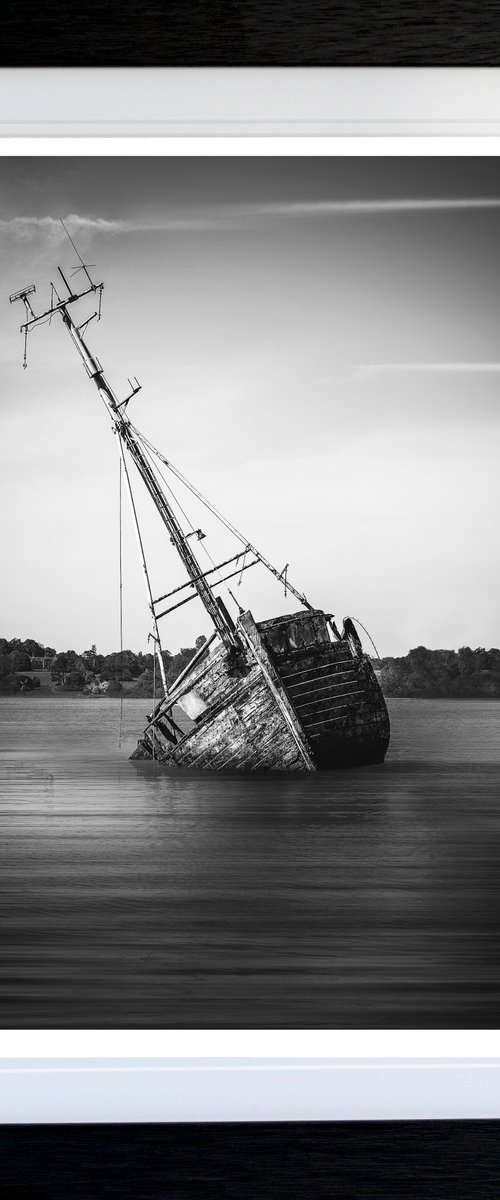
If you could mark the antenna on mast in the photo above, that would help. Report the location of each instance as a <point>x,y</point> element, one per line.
<point>60,305</point>
<point>30,316</point>
<point>83,266</point>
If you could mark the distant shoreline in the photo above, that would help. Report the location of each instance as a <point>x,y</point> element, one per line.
<point>29,669</point>
<point>56,694</point>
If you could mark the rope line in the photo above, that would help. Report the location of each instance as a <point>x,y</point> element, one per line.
<point>216,513</point>
<point>154,466</point>
<point>143,560</point>
<point>358,622</point>
<point>120,570</point>
<point>154,703</point>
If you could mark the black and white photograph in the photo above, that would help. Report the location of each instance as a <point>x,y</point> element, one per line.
<point>249,663</point>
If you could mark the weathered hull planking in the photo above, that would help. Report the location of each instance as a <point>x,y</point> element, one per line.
<point>292,700</point>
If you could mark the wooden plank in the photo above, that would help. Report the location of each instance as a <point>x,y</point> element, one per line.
<point>329,688</point>
<point>286,676</point>
<point>257,647</point>
<point>244,731</point>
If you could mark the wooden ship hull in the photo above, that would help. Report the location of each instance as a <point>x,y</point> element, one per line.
<point>293,700</point>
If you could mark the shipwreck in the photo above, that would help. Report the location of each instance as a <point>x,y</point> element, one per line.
<point>294,693</point>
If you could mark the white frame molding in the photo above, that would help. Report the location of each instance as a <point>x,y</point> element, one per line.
<point>249,101</point>
<point>210,1089</point>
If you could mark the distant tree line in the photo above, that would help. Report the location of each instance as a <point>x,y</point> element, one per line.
<point>16,657</point>
<point>442,673</point>
<point>422,672</point>
<point>23,666</point>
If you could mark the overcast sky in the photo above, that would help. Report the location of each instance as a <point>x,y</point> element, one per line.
<point>318,344</point>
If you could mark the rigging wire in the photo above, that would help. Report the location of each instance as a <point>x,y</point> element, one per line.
<point>144,563</point>
<point>358,622</point>
<point>154,466</point>
<point>154,703</point>
<point>216,513</point>
<point>46,321</point>
<point>120,570</point>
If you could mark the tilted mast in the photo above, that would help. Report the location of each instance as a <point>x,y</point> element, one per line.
<point>245,713</point>
<point>126,433</point>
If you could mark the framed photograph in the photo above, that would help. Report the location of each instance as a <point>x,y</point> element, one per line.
<point>250,779</point>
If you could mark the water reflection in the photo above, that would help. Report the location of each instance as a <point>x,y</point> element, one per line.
<point>132,896</point>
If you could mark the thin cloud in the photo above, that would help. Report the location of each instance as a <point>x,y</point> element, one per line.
<point>366,370</point>
<point>376,207</point>
<point>231,216</point>
<point>27,227</point>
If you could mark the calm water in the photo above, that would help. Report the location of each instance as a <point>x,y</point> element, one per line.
<point>134,897</point>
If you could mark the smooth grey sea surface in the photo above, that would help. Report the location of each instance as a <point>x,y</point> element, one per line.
<point>134,897</point>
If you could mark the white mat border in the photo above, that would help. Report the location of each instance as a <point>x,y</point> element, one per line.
<point>249,101</point>
<point>93,1091</point>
